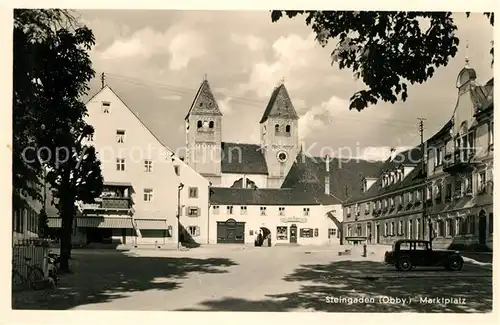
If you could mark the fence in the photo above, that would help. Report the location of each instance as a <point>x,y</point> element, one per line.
<point>35,249</point>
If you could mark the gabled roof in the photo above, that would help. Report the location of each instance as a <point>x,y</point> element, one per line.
<point>144,125</point>
<point>242,158</point>
<point>279,105</point>
<point>267,196</point>
<point>410,157</point>
<point>204,102</point>
<point>345,176</point>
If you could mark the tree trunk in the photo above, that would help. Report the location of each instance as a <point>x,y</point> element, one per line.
<point>68,209</point>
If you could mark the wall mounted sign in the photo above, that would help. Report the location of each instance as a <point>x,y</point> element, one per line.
<point>293,219</point>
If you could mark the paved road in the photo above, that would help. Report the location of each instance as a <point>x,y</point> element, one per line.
<point>258,279</point>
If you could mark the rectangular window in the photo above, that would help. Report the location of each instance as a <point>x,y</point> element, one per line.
<point>316,232</point>
<point>193,192</point>
<point>400,227</point>
<point>120,164</point>
<point>193,212</point>
<point>148,195</point>
<point>243,210</point>
<point>194,231</point>
<point>306,212</point>
<point>281,211</point>
<point>105,107</point>
<point>332,233</point>
<point>306,233</point>
<point>481,182</point>
<point>281,233</point>
<point>148,166</point>
<point>448,194</point>
<point>120,136</point>
<point>177,170</point>
<point>449,226</point>
<point>229,209</point>
<point>491,137</point>
<point>263,211</point>
<point>215,209</point>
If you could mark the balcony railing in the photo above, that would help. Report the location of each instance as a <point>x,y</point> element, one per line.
<point>459,161</point>
<point>111,203</point>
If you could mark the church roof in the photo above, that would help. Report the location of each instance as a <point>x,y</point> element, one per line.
<point>345,176</point>
<point>268,196</point>
<point>279,105</point>
<point>204,102</point>
<point>242,158</point>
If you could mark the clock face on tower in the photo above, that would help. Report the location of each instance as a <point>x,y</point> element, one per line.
<point>282,156</point>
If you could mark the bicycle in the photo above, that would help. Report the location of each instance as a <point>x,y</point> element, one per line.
<point>35,276</point>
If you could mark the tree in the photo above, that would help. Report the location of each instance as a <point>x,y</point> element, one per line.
<point>387,50</point>
<point>43,224</point>
<point>51,71</point>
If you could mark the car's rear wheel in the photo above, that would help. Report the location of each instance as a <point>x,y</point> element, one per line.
<point>455,264</point>
<point>404,264</point>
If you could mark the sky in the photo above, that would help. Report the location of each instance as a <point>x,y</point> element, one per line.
<point>155,61</point>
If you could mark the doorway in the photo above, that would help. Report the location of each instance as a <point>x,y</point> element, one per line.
<point>293,234</point>
<point>377,230</point>
<point>482,228</point>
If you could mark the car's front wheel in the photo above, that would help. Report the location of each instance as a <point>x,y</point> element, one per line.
<point>455,264</point>
<point>404,264</point>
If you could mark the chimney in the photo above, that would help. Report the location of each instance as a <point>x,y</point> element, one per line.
<point>327,177</point>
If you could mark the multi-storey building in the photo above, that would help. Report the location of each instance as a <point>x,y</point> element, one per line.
<point>457,210</point>
<point>145,185</point>
<point>390,205</point>
<point>460,170</point>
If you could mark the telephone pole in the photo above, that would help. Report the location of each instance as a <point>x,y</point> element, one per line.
<point>424,175</point>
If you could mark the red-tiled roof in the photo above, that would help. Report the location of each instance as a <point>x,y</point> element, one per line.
<point>204,102</point>
<point>410,157</point>
<point>279,105</point>
<point>344,176</point>
<point>266,196</point>
<point>242,158</point>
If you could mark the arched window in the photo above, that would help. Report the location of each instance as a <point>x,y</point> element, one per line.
<point>276,129</point>
<point>463,128</point>
<point>211,124</point>
<point>199,124</point>
<point>287,129</point>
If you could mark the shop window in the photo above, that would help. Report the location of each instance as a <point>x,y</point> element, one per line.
<point>306,233</point>
<point>282,233</point>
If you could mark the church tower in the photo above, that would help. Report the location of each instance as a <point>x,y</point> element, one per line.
<point>203,134</point>
<point>279,136</point>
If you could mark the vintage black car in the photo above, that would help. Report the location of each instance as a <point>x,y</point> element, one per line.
<point>406,254</point>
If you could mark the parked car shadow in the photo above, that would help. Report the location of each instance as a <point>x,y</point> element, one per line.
<point>333,288</point>
<point>113,275</point>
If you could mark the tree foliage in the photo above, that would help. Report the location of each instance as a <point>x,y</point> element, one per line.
<point>386,50</point>
<point>52,69</point>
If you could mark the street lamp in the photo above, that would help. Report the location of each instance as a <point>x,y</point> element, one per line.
<point>179,189</point>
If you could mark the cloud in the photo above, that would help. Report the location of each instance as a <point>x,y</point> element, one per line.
<point>184,48</point>
<point>225,105</point>
<point>122,49</point>
<point>292,54</point>
<point>380,153</point>
<point>320,116</point>
<point>253,42</point>
<point>172,97</point>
